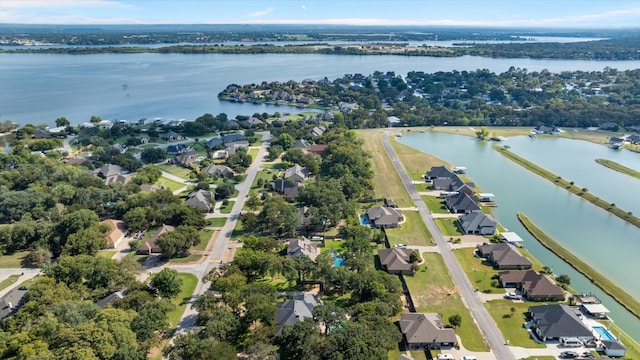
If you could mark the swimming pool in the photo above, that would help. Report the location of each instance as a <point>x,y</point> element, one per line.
<point>603,333</point>
<point>338,261</point>
<point>364,220</point>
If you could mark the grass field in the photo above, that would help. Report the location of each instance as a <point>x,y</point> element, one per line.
<point>435,204</point>
<point>254,154</point>
<point>415,162</point>
<point>478,272</point>
<point>186,258</point>
<point>619,168</point>
<point>266,176</point>
<point>205,235</point>
<point>386,180</point>
<point>448,227</point>
<point>176,170</point>
<point>170,184</point>
<point>432,290</point>
<point>412,232</point>
<point>334,245</point>
<point>107,254</point>
<point>582,192</point>
<point>511,322</point>
<point>12,279</point>
<point>13,261</point>
<point>226,209</point>
<point>216,222</point>
<point>621,296</point>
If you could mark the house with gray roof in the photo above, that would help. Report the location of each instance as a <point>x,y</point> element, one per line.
<point>462,203</point>
<point>438,172</point>
<point>118,179</point>
<point>477,223</point>
<point>317,131</point>
<point>110,170</point>
<point>172,136</point>
<point>558,322</point>
<point>297,309</point>
<point>149,246</point>
<point>302,247</point>
<point>186,158</point>
<point>235,140</point>
<point>177,149</point>
<point>301,144</point>
<point>396,260</point>
<point>383,216</point>
<point>426,331</point>
<point>544,129</point>
<point>219,170</point>
<point>289,189</point>
<point>296,173</point>
<point>201,199</point>
<point>614,348</point>
<point>504,256</point>
<point>534,286</point>
<point>215,142</point>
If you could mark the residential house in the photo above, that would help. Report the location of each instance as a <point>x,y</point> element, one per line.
<point>504,256</point>
<point>105,124</point>
<point>462,203</point>
<point>302,247</point>
<point>201,199</point>
<point>215,142</point>
<point>235,140</point>
<point>149,246</point>
<point>252,122</point>
<point>172,136</point>
<point>109,299</point>
<point>186,158</point>
<point>110,170</point>
<point>301,144</point>
<point>296,173</point>
<point>558,322</point>
<point>11,302</point>
<point>426,331</point>
<point>543,129</point>
<point>297,309</point>
<point>318,149</point>
<point>438,172</point>
<point>219,170</point>
<point>534,286</point>
<point>289,189</point>
<point>119,148</point>
<point>633,139</point>
<point>396,260</point>
<point>152,188</point>
<point>117,232</point>
<point>177,149</point>
<point>317,131</point>
<point>231,125</point>
<point>144,139</point>
<point>42,134</point>
<point>382,216</point>
<point>477,223</point>
<point>118,179</point>
<point>393,120</point>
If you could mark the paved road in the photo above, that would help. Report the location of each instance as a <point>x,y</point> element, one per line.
<point>214,259</point>
<point>486,324</point>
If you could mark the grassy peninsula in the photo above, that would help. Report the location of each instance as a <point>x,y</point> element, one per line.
<point>619,167</point>
<point>622,297</point>
<point>569,186</point>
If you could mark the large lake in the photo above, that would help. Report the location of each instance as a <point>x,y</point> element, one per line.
<point>38,88</point>
<point>607,243</point>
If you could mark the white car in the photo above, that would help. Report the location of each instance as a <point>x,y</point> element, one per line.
<point>401,246</point>
<point>512,296</point>
<point>445,357</point>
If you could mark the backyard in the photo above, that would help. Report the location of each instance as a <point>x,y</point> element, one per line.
<point>479,273</point>
<point>432,290</point>
<point>411,232</point>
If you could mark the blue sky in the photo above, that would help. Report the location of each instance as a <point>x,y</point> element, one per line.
<point>503,13</point>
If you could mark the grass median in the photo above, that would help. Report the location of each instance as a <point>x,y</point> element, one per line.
<point>619,167</point>
<point>622,297</point>
<point>569,186</point>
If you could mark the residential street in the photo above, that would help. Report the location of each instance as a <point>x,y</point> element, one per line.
<point>484,321</point>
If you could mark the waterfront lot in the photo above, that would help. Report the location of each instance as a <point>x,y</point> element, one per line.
<point>416,163</point>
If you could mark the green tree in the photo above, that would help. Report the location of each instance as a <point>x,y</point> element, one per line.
<point>455,320</point>
<point>166,283</point>
<point>225,190</point>
<point>563,279</point>
<point>86,241</point>
<point>62,121</point>
<point>152,155</point>
<point>187,347</point>
<point>482,133</point>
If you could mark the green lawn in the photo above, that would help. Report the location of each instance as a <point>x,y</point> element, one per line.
<point>412,232</point>
<point>201,148</point>
<point>478,272</point>
<point>13,260</point>
<point>107,254</point>
<point>29,282</point>
<point>189,282</point>
<point>258,140</point>
<point>254,154</point>
<point>435,204</point>
<point>266,176</point>
<point>186,258</point>
<point>415,162</point>
<point>9,281</point>
<point>337,246</point>
<point>433,290</point>
<point>511,323</point>
<point>176,170</point>
<point>205,235</point>
<point>281,284</point>
<point>448,227</point>
<point>216,222</point>
<point>170,184</point>
<point>226,209</point>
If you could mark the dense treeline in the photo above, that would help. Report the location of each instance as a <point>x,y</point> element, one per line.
<point>611,49</point>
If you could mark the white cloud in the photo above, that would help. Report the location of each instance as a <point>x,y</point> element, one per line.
<point>70,19</point>
<point>20,4</point>
<point>303,7</point>
<point>260,13</point>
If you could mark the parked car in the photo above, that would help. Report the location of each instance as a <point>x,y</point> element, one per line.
<point>569,355</point>
<point>445,357</point>
<point>512,296</point>
<point>401,246</point>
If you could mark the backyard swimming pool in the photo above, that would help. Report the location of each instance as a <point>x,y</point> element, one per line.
<point>338,261</point>
<point>364,220</point>
<point>603,333</point>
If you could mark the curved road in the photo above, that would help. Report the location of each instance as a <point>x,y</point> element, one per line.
<point>486,324</point>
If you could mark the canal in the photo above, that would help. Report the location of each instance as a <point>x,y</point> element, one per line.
<point>608,244</point>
